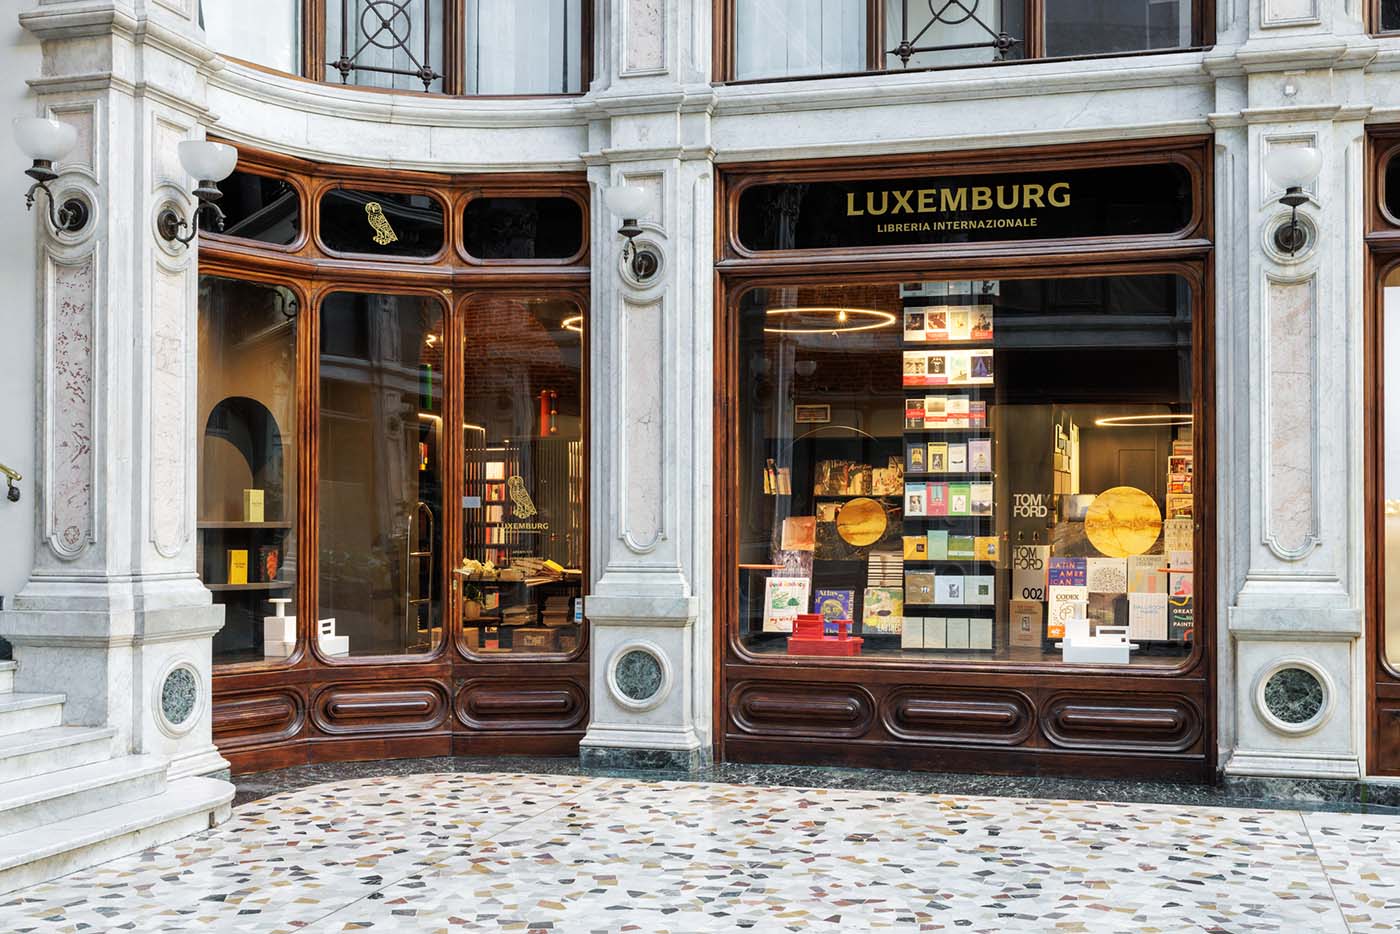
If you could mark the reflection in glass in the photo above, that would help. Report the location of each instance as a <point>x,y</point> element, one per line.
<point>522,228</point>
<point>1096,27</point>
<point>1390,15</point>
<point>247,463</point>
<point>384,43</point>
<point>523,534</point>
<point>258,207</point>
<point>264,32</point>
<point>380,474</point>
<point>965,469</point>
<point>524,46</point>
<point>381,223</point>
<point>1390,479</point>
<point>782,38</point>
<point>970,23</point>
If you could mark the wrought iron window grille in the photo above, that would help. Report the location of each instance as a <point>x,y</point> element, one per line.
<point>949,13</point>
<point>378,17</point>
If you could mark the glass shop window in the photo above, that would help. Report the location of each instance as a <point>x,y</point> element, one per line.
<point>264,32</point>
<point>784,38</point>
<point>1097,27</point>
<point>970,470</point>
<point>380,475</point>
<point>381,223</point>
<point>1390,16</point>
<point>1390,477</point>
<point>522,228</point>
<point>258,207</point>
<point>247,543</point>
<point>385,45</point>
<point>524,47</point>
<point>523,530</point>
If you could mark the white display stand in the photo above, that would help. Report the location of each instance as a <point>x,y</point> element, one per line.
<point>1109,646</point>
<point>332,644</point>
<point>280,631</point>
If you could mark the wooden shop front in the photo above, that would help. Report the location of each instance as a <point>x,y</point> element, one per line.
<point>965,402</point>
<point>392,480</point>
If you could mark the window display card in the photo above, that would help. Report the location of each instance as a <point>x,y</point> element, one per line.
<point>922,289</point>
<point>959,324</point>
<point>916,499</point>
<point>1106,575</point>
<point>935,411</point>
<point>1069,572</point>
<point>1179,584</point>
<point>979,455</point>
<point>1026,618</point>
<point>957,458</point>
<point>1065,603</point>
<point>1181,619</point>
<point>959,499</point>
<point>883,610</point>
<point>914,413</point>
<point>1145,574</point>
<point>936,368</point>
<point>918,588</point>
<point>958,633</point>
<point>937,459</point>
<point>980,589</point>
<point>948,589</point>
<point>914,326</point>
<point>981,367</point>
<point>1177,535</point>
<point>979,632</point>
<point>937,503</point>
<point>961,548</point>
<point>1147,616</point>
<point>1028,571</point>
<point>936,323</point>
<point>958,412</point>
<point>911,634</point>
<point>783,599</point>
<point>956,367</point>
<point>981,504</point>
<point>935,632</point>
<point>916,368</point>
<point>937,544</point>
<point>986,548</point>
<point>981,322</point>
<point>915,460</point>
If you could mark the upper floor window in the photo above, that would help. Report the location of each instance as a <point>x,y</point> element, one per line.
<point>791,38</point>
<point>478,47</point>
<point>1387,16</point>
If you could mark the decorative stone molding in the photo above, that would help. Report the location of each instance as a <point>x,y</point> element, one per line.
<point>644,37</point>
<point>178,698</point>
<point>1289,441</point>
<point>1294,696</point>
<point>69,439</point>
<point>641,478</point>
<point>639,675</point>
<point>1275,14</point>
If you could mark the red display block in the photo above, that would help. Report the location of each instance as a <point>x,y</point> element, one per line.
<point>809,637</point>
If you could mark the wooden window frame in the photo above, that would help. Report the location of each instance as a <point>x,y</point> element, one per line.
<point>1033,42</point>
<point>1038,689</point>
<point>1373,20</point>
<point>279,712</point>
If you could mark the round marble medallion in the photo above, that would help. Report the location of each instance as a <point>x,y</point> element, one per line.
<point>861,522</point>
<point>1294,695</point>
<point>1123,521</point>
<point>178,695</point>
<point>638,675</point>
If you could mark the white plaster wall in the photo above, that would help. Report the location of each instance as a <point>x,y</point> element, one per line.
<point>19,60</point>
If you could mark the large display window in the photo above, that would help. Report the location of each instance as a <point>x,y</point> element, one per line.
<point>965,508</point>
<point>393,469</point>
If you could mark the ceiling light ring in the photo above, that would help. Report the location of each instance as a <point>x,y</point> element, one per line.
<point>841,323</point>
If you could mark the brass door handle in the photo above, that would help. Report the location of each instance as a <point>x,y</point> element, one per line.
<point>11,477</point>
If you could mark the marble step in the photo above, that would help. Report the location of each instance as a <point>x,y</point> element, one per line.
<point>38,752</point>
<point>21,712</point>
<point>187,806</point>
<point>43,800</point>
<point>7,677</point>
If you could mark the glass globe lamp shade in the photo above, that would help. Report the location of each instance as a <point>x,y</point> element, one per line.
<point>43,139</point>
<point>206,161</point>
<point>1293,166</point>
<point>627,201</point>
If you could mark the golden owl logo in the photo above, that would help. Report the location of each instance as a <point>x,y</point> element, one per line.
<point>524,505</point>
<point>383,233</point>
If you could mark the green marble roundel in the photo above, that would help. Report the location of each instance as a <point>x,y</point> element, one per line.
<point>638,675</point>
<point>178,695</point>
<point>1293,695</point>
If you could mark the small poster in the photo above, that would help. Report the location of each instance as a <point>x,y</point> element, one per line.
<point>1146,574</point>
<point>1147,616</point>
<point>784,598</point>
<point>883,611</point>
<point>1026,619</point>
<point>1028,571</point>
<point>799,533</point>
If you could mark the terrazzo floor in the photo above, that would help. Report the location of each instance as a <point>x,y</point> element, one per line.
<point>571,853</point>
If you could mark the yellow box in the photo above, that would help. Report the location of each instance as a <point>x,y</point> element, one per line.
<point>253,506</point>
<point>238,566</point>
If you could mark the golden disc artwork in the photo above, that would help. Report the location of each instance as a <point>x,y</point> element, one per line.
<point>861,522</point>
<point>1123,521</point>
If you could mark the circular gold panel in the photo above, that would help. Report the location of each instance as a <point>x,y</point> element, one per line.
<point>861,522</point>
<point>1123,521</point>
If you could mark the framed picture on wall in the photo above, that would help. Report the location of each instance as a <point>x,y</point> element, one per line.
<point>811,414</point>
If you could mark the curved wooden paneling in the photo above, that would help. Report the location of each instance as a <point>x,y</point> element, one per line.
<point>255,717</point>
<point>490,704</point>
<point>952,715</point>
<point>369,708</point>
<point>822,710</point>
<point>1152,722</point>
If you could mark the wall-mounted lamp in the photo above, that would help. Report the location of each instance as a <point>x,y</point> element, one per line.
<point>629,203</point>
<point>1292,167</point>
<point>46,141</point>
<point>211,163</point>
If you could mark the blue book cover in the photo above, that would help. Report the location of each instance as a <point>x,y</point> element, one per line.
<point>833,605</point>
<point>1069,572</point>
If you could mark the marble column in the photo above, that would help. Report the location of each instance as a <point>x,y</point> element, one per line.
<point>113,614</point>
<point>652,393</point>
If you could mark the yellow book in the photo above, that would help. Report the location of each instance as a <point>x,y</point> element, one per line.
<point>915,548</point>
<point>984,548</point>
<point>238,566</point>
<point>252,505</point>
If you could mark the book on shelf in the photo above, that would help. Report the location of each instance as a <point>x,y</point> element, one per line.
<point>914,414</point>
<point>1179,584</point>
<point>959,499</point>
<point>1106,575</point>
<point>1178,535</point>
<point>935,411</point>
<point>986,548</point>
<point>982,323</point>
<point>937,502</point>
<point>1063,603</point>
<point>1069,572</point>
<point>799,533</point>
<point>959,412</point>
<point>253,501</point>
<point>958,632</point>
<point>1026,620</point>
<point>977,413</point>
<point>1147,616</point>
<point>980,589</point>
<point>918,587</point>
<point>833,604</point>
<point>937,459</point>
<point>914,326</point>
<point>884,569</point>
<point>957,458</point>
<point>784,598</point>
<point>1146,574</point>
<point>915,458</point>
<point>979,455</point>
<point>948,589</point>
<point>1179,505</point>
<point>938,541</point>
<point>981,501</point>
<point>981,367</point>
<point>959,324</point>
<point>915,500</point>
<point>915,548</point>
<point>1180,617</point>
<point>935,323</point>
<point>882,610</point>
<point>1029,576</point>
<point>962,548</point>
<point>269,558</point>
<point>237,566</point>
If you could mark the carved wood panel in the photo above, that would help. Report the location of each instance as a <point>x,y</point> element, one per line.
<point>250,718</point>
<point>377,707</point>
<point>1121,721</point>
<point>958,715</point>
<point>491,704</point>
<point>792,709</point>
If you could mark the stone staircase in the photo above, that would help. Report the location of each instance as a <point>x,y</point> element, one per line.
<point>66,802</point>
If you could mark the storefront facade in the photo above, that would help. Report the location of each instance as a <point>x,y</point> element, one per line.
<point>949,334</point>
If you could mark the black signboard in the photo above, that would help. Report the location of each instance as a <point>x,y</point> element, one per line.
<point>384,223</point>
<point>1127,200</point>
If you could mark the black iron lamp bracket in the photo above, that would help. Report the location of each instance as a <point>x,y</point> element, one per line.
<point>72,216</point>
<point>169,223</point>
<point>642,262</point>
<point>1292,236</point>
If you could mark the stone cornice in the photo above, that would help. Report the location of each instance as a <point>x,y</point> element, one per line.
<point>58,22</point>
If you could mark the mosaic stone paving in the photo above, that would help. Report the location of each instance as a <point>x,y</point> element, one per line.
<point>532,853</point>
